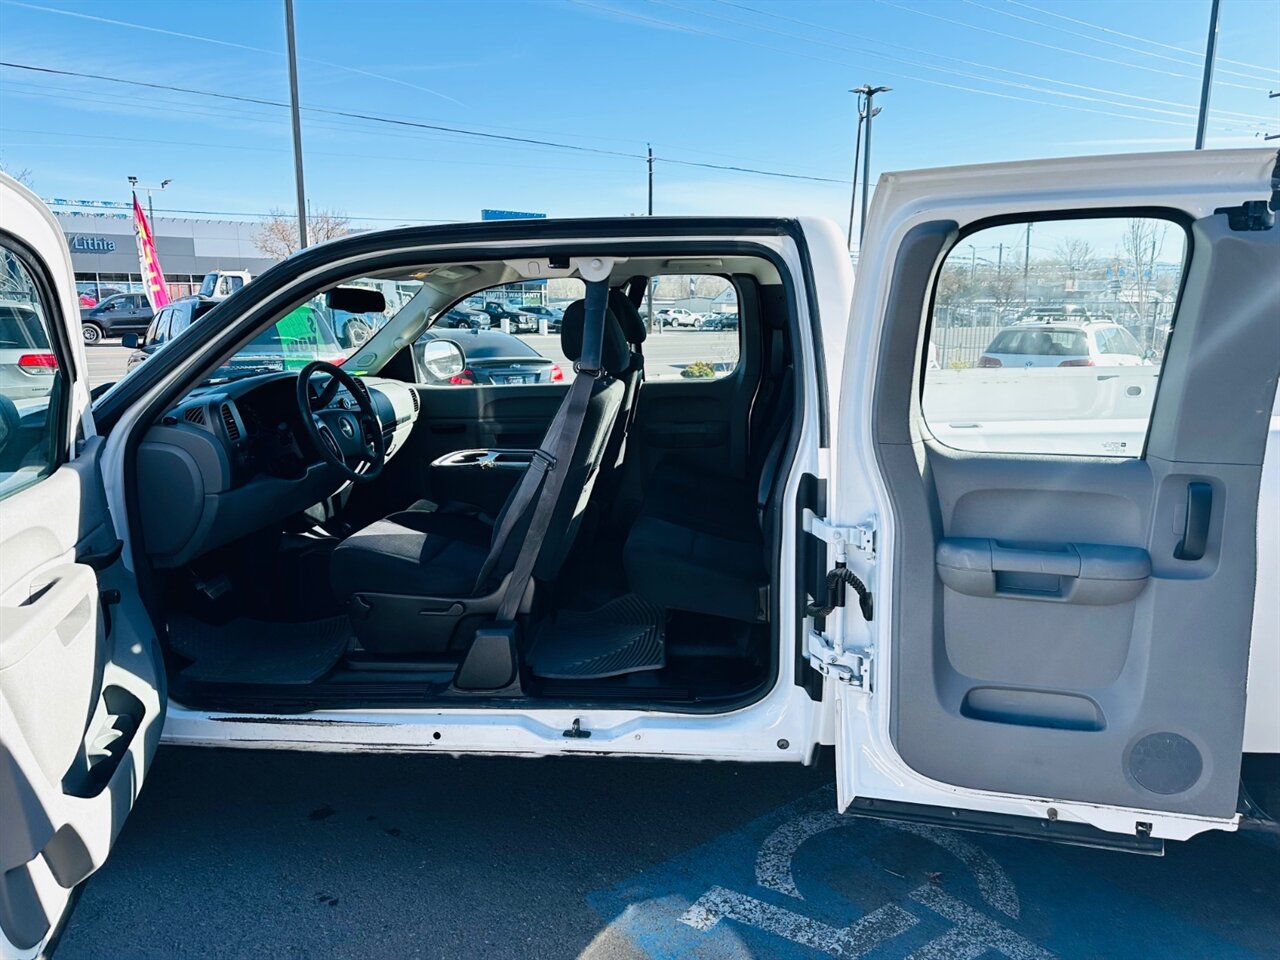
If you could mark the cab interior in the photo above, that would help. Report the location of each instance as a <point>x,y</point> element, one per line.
<point>278,584</point>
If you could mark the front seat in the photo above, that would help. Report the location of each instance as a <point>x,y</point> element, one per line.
<point>413,579</point>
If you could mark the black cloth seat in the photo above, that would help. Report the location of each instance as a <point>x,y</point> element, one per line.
<point>698,542</point>
<point>447,554</point>
<point>413,553</point>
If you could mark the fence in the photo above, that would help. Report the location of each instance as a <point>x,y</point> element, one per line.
<point>961,333</point>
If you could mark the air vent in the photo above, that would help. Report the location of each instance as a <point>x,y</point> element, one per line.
<point>229,420</point>
<point>194,415</point>
<point>417,401</point>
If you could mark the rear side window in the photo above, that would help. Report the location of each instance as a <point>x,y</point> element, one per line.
<point>1048,337</point>
<point>33,386</point>
<point>693,328</point>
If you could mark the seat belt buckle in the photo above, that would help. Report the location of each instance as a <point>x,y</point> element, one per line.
<point>545,457</point>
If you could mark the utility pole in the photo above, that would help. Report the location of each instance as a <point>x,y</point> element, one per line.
<point>1271,95</point>
<point>297,122</point>
<point>857,146</point>
<point>151,213</point>
<point>1210,51</point>
<point>973,262</point>
<point>869,92</point>
<point>650,162</point>
<point>1026,265</point>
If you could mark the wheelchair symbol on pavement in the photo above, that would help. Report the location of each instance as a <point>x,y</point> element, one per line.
<point>972,932</point>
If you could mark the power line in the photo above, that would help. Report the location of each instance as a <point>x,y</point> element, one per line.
<point>1110,43</point>
<point>828,29</point>
<point>228,43</point>
<point>417,124</point>
<point>1051,46</point>
<point>1130,36</point>
<point>699,31</point>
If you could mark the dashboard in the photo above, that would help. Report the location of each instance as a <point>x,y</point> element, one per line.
<point>233,458</point>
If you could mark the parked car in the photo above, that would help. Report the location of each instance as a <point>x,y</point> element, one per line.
<point>459,318</point>
<point>1029,641</point>
<point>718,321</point>
<point>27,363</point>
<point>550,314</point>
<point>115,316</point>
<point>518,321</point>
<point>676,317</point>
<point>489,357</point>
<point>166,325</point>
<point>1063,344</point>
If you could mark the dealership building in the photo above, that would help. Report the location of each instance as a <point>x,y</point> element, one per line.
<point>104,253</point>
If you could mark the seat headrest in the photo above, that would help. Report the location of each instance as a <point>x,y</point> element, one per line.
<point>628,315</point>
<point>615,352</point>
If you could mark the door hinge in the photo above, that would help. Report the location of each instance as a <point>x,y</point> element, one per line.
<point>852,667</point>
<point>859,536</point>
<point>832,656</point>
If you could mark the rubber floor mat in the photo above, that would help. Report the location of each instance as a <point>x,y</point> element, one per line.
<point>624,636</point>
<point>259,651</point>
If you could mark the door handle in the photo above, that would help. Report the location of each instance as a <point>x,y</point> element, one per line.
<point>1195,528</point>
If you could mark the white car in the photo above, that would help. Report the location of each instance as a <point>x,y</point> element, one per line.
<point>677,317</point>
<point>1063,344</point>
<point>1024,642</point>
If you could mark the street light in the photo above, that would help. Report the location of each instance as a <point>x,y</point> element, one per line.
<point>868,93</point>
<point>151,214</point>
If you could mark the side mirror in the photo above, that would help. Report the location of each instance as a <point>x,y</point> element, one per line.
<point>442,360</point>
<point>132,341</point>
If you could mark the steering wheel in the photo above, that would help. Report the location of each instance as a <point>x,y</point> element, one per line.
<point>343,436</point>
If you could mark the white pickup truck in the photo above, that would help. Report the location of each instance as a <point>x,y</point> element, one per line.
<point>1038,601</point>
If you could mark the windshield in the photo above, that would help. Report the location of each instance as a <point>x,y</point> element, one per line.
<point>317,331</point>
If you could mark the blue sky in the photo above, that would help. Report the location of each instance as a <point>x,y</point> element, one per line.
<point>733,82</point>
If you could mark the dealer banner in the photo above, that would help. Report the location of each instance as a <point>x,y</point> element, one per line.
<point>152,276</point>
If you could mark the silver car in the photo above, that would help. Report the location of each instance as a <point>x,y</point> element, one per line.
<point>27,363</point>
<point>1067,344</point>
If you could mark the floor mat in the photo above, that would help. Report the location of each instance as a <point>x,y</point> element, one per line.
<point>258,651</point>
<point>626,635</point>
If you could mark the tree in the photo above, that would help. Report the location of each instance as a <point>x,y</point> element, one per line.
<point>22,174</point>
<point>277,236</point>
<point>1075,257</point>
<point>1143,240</point>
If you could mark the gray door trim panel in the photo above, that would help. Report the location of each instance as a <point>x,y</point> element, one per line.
<point>1137,702</point>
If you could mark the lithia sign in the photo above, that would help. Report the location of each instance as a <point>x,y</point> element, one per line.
<point>85,243</point>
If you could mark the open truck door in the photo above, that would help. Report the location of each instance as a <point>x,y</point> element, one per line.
<point>1060,543</point>
<point>81,682</point>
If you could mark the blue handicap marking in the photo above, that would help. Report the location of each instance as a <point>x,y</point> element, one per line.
<point>803,882</point>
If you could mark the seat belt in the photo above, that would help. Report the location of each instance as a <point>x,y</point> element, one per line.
<point>545,476</point>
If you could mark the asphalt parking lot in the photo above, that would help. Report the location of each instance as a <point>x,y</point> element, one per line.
<point>258,854</point>
<point>666,353</point>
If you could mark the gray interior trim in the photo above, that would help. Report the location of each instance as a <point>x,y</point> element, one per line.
<point>1007,678</point>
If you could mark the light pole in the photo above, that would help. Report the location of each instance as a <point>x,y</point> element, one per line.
<point>1209,55</point>
<point>868,92</point>
<point>151,213</point>
<point>857,146</point>
<point>297,122</point>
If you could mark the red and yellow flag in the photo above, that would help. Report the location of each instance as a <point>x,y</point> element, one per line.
<point>152,276</point>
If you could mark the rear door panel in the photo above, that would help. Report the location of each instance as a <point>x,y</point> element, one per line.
<point>1118,698</point>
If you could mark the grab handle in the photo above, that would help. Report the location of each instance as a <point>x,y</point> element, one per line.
<point>1195,528</point>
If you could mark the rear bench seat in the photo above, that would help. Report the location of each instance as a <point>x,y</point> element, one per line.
<point>698,543</point>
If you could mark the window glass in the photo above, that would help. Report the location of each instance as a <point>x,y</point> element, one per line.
<point>503,336</point>
<point>693,327</point>
<point>1048,337</point>
<point>319,329</point>
<point>32,386</point>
